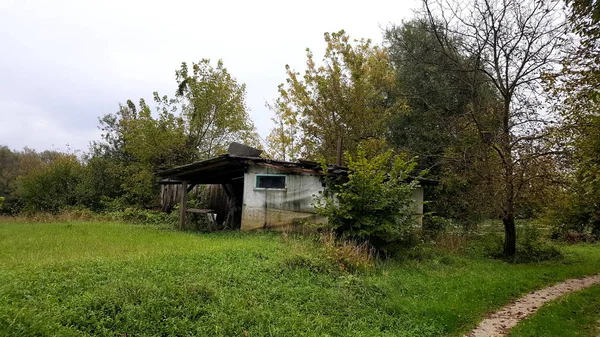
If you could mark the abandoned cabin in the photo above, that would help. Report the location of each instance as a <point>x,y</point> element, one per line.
<point>249,192</point>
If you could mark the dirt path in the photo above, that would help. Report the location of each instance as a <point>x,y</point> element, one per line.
<point>499,323</point>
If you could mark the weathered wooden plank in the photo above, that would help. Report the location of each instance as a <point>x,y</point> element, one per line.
<point>182,209</point>
<point>201,211</point>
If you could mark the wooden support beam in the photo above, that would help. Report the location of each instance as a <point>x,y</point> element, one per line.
<point>182,208</point>
<point>191,187</point>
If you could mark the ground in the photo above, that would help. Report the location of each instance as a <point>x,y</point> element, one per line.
<point>576,314</point>
<point>108,279</point>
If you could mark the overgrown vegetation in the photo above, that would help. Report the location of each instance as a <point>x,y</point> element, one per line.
<point>207,113</point>
<point>473,95</point>
<point>374,205</point>
<point>108,278</point>
<point>533,245</point>
<point>497,102</point>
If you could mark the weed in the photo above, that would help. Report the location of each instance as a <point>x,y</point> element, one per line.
<point>108,278</point>
<point>349,255</point>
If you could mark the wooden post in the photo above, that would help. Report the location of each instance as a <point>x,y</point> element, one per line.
<point>182,208</point>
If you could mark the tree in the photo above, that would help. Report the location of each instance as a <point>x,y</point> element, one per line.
<point>208,113</point>
<point>135,146</point>
<point>213,105</point>
<point>14,164</point>
<point>438,128</point>
<point>348,98</point>
<point>512,43</point>
<point>9,170</point>
<point>575,88</point>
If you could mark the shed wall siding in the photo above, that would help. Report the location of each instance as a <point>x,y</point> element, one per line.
<point>279,209</point>
<point>282,209</point>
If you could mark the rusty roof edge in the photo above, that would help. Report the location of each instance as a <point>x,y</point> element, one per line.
<point>304,164</point>
<point>301,163</point>
<point>316,167</point>
<point>182,168</point>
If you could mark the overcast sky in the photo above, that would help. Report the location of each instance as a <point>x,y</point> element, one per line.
<point>65,63</point>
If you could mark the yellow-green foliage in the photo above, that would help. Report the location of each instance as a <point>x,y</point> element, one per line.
<point>347,96</point>
<point>375,203</point>
<point>52,186</point>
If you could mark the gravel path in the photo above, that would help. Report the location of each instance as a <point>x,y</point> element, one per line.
<point>499,323</point>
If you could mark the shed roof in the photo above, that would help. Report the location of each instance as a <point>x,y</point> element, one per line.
<point>226,168</point>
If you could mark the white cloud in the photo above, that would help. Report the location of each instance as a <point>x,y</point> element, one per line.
<point>32,127</point>
<point>76,60</point>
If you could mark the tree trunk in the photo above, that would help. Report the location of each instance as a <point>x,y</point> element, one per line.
<point>508,218</point>
<point>510,235</point>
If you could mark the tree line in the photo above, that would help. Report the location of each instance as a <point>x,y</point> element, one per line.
<point>495,100</point>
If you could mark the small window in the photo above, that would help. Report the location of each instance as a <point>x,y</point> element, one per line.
<point>274,181</point>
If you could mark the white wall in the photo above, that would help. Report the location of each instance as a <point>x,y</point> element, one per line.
<point>279,209</point>
<point>267,208</point>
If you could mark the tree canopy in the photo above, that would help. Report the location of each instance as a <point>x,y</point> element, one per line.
<point>348,97</point>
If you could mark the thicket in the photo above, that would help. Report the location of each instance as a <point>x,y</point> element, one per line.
<point>119,171</point>
<point>425,92</point>
<point>374,204</point>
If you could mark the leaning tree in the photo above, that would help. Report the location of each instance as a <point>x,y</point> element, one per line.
<point>513,43</point>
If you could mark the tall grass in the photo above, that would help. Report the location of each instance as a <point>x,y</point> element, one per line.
<point>113,279</point>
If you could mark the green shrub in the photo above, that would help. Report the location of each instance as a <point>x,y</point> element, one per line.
<point>532,246</point>
<point>146,217</point>
<point>434,226</point>
<point>487,245</point>
<point>574,219</point>
<point>12,205</point>
<point>374,204</point>
<point>51,187</point>
<point>100,188</point>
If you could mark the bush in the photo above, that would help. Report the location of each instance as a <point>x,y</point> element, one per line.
<point>374,204</point>
<point>434,226</point>
<point>12,205</point>
<point>574,219</point>
<point>145,217</point>
<point>101,183</point>
<point>51,187</point>
<point>487,245</point>
<point>531,246</point>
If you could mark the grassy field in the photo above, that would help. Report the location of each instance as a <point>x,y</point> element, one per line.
<point>112,279</point>
<point>574,315</point>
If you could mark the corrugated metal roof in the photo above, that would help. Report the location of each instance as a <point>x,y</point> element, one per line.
<point>227,167</point>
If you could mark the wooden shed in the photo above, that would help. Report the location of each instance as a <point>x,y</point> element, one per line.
<point>257,192</point>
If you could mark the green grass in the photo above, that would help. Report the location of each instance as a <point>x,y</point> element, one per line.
<point>576,314</point>
<point>112,279</point>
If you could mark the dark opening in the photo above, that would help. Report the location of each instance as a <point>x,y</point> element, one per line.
<point>269,181</point>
